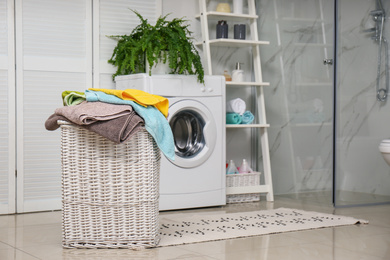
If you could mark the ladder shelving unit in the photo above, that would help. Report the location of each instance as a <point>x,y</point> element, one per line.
<point>208,44</point>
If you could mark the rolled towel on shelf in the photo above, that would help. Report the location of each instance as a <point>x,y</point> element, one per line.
<point>236,105</point>
<point>233,118</point>
<point>247,117</point>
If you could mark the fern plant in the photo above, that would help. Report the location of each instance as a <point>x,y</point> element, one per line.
<point>167,41</point>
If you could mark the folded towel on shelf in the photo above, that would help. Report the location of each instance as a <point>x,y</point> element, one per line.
<point>233,118</point>
<point>141,97</point>
<point>236,106</point>
<point>118,130</point>
<point>247,117</point>
<point>155,122</point>
<point>72,98</point>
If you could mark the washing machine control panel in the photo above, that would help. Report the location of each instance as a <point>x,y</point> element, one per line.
<point>173,85</point>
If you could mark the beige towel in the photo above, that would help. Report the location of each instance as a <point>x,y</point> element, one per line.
<point>89,112</point>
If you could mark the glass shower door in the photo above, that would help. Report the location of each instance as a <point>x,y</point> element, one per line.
<point>362,122</point>
<point>300,69</point>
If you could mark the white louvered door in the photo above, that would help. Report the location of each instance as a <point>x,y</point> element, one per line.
<point>60,45</point>
<point>7,108</point>
<point>53,54</point>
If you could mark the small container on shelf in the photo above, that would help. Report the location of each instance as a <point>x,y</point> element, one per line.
<point>237,6</point>
<point>224,8</point>
<point>222,29</point>
<point>239,31</point>
<point>227,76</point>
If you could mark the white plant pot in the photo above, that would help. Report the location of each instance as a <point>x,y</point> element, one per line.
<point>159,68</point>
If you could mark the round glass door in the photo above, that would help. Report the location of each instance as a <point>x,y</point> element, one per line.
<point>187,128</point>
<point>194,132</point>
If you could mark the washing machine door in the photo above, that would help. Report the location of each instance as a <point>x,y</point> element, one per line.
<point>194,132</point>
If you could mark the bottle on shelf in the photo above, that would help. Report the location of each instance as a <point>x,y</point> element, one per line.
<point>238,73</point>
<point>222,29</point>
<point>227,76</point>
<point>244,168</point>
<point>232,169</point>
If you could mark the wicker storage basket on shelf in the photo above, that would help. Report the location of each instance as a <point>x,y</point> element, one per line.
<point>243,180</point>
<point>109,191</point>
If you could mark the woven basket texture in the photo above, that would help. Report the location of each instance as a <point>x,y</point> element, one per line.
<point>242,180</point>
<point>110,191</point>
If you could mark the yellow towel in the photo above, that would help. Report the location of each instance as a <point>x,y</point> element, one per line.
<point>141,97</point>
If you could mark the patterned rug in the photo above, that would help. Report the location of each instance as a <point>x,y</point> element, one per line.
<point>180,230</point>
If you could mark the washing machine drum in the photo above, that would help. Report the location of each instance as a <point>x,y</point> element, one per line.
<point>187,129</point>
<point>194,133</point>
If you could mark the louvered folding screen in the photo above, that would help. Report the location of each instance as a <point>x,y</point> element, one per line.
<point>7,109</point>
<point>54,52</point>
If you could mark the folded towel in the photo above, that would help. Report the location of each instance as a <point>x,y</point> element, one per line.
<point>236,106</point>
<point>155,122</point>
<point>233,118</point>
<point>139,96</point>
<point>247,117</point>
<point>72,98</point>
<point>118,130</point>
<point>90,112</point>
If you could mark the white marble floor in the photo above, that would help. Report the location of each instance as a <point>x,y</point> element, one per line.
<point>38,236</point>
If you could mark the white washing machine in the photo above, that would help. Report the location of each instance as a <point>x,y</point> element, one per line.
<point>196,178</point>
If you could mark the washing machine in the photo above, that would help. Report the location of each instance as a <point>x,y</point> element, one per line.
<point>196,178</point>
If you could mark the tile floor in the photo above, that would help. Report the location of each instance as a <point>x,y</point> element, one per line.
<point>38,236</point>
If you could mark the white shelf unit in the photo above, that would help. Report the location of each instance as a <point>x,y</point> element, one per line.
<point>208,44</point>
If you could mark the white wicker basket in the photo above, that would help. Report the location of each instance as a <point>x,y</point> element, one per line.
<point>243,180</point>
<point>109,191</point>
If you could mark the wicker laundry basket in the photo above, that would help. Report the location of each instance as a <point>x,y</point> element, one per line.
<point>243,180</point>
<point>109,191</point>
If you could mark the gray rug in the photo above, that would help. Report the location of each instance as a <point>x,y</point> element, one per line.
<point>178,230</point>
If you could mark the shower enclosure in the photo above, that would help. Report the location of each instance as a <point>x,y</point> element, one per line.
<point>327,104</point>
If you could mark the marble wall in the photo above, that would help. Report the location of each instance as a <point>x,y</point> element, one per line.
<point>300,100</point>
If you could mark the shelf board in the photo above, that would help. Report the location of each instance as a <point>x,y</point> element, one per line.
<point>228,16</point>
<point>246,83</point>
<point>248,189</point>
<point>233,43</point>
<point>246,125</point>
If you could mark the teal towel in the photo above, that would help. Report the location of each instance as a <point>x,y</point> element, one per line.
<point>155,122</point>
<point>247,117</point>
<point>233,118</point>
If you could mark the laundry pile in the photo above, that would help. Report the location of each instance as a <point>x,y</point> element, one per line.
<point>236,112</point>
<point>117,115</point>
